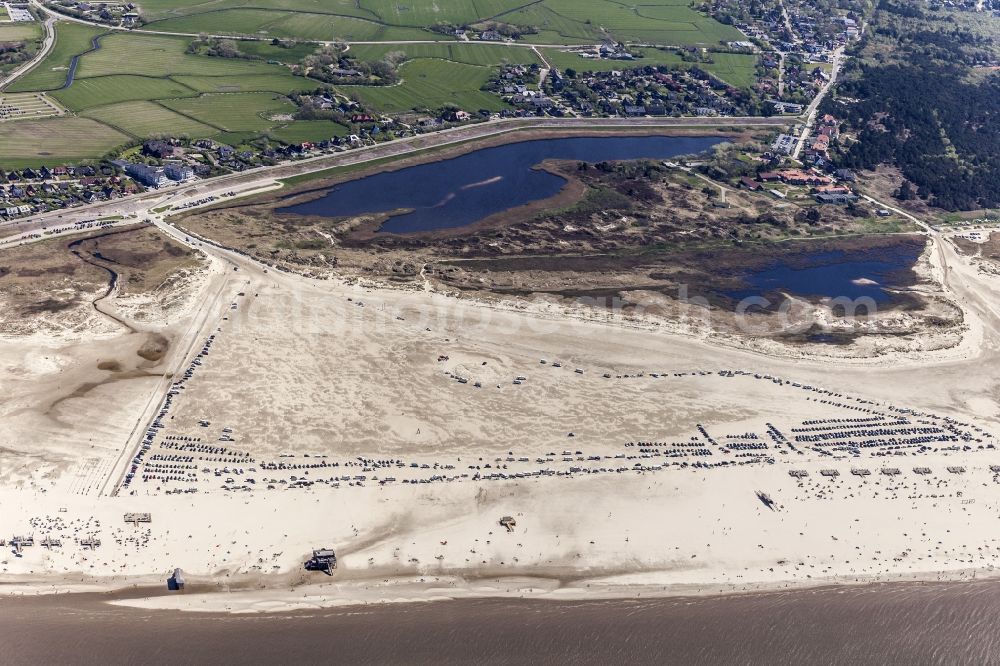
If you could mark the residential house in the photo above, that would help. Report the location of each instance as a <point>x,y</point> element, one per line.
<point>839,199</point>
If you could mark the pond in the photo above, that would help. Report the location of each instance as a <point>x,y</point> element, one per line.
<point>852,274</point>
<point>463,190</point>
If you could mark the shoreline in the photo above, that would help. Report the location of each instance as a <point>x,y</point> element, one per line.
<point>245,597</point>
<point>834,626</point>
<point>829,625</point>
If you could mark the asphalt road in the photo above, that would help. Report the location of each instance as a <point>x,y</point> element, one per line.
<point>47,44</point>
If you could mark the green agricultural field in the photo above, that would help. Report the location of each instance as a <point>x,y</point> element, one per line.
<point>552,37</point>
<point>558,28</point>
<point>20,32</point>
<point>736,69</point>
<point>159,89</point>
<point>278,83</point>
<point>300,25</point>
<point>55,141</point>
<point>665,22</point>
<point>104,90</point>
<point>153,67</point>
<point>155,10</point>
<point>308,130</point>
<point>430,84</point>
<point>234,112</point>
<point>143,119</point>
<point>428,12</point>
<point>264,49</point>
<point>138,84</point>
<point>394,12</point>
<point>496,8</point>
<point>50,74</point>
<point>470,54</point>
<point>273,23</point>
<point>237,139</point>
<point>16,34</point>
<point>413,13</point>
<point>157,55</point>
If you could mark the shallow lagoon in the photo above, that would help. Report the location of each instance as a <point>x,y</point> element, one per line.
<point>463,190</point>
<point>832,274</point>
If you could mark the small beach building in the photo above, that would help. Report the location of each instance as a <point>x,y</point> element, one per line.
<point>176,580</point>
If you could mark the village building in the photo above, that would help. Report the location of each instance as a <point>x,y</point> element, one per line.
<point>147,175</point>
<point>178,171</point>
<point>838,199</point>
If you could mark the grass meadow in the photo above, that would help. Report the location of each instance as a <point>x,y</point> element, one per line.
<point>660,22</point>
<point>50,74</point>
<point>431,83</point>
<point>54,140</point>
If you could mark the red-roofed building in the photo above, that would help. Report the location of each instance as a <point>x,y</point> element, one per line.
<point>832,189</point>
<point>796,177</point>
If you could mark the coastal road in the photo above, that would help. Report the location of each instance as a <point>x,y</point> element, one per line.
<point>899,211</point>
<point>47,44</point>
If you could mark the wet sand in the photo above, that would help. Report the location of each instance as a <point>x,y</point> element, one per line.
<point>861,625</point>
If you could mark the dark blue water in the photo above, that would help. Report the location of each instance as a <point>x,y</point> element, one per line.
<point>95,44</point>
<point>466,189</point>
<point>833,274</point>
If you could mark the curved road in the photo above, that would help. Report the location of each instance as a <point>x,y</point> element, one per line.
<point>47,44</point>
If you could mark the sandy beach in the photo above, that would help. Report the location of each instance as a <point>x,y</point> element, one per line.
<point>399,426</point>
